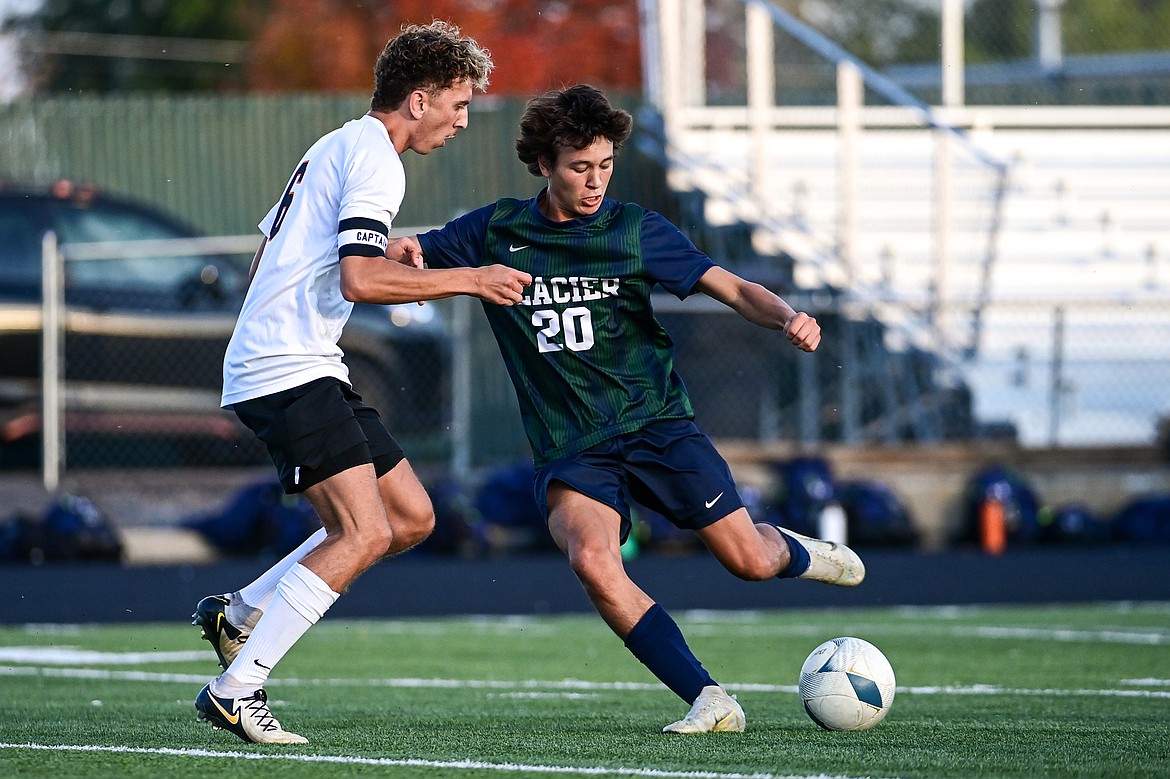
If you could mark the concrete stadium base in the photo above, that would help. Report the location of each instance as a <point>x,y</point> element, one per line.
<point>418,585</point>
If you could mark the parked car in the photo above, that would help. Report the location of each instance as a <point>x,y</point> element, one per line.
<point>145,338</point>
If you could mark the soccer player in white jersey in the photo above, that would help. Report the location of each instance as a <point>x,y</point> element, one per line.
<point>324,250</point>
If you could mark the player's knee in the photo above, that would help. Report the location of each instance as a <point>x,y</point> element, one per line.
<point>373,543</point>
<point>361,548</point>
<point>595,567</point>
<point>414,528</point>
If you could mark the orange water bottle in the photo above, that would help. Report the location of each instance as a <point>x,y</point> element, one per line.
<point>992,526</point>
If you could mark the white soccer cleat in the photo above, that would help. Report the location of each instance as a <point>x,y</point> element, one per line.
<point>714,711</point>
<point>830,562</point>
<point>248,717</point>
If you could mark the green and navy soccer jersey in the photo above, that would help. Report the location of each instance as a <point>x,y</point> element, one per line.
<point>586,355</point>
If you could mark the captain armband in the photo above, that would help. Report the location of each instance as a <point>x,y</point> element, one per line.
<point>362,237</point>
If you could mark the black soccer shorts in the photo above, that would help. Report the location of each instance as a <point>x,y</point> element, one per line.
<point>669,466</point>
<point>318,430</point>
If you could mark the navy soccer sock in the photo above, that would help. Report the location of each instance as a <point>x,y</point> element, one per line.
<point>659,645</point>
<point>800,560</point>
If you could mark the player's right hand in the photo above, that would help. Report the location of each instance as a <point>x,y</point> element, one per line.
<point>803,332</point>
<point>502,285</point>
<point>406,250</point>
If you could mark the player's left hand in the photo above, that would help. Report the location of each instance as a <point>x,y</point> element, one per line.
<point>803,332</point>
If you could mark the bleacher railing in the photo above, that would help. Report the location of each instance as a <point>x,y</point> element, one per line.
<point>908,212</point>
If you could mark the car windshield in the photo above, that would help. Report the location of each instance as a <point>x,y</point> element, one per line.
<point>20,241</point>
<point>96,223</point>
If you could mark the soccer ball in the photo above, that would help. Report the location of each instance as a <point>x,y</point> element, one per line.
<point>846,684</point>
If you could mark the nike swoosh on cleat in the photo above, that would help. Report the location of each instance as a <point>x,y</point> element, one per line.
<point>257,662</point>
<point>234,719</point>
<point>514,248</point>
<point>719,722</point>
<point>713,500</point>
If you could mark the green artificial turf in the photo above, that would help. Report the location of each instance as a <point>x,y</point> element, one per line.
<point>982,692</point>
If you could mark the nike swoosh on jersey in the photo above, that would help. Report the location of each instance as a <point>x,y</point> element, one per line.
<point>713,500</point>
<point>514,248</point>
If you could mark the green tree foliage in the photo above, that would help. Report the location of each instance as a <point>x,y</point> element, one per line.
<point>90,63</point>
<point>878,32</point>
<point>998,30</point>
<point>1111,26</point>
<point>886,32</point>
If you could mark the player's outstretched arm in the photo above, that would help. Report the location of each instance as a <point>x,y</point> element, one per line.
<point>759,305</point>
<point>388,281</point>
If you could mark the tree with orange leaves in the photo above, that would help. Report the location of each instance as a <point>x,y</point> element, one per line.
<point>537,44</point>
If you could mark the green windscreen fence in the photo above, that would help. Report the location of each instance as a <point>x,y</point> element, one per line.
<point>220,162</point>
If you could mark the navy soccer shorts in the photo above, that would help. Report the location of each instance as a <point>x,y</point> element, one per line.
<point>318,430</point>
<point>670,467</point>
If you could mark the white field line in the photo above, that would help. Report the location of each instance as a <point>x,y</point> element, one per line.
<point>1141,636</point>
<point>1151,637</point>
<point>1147,636</point>
<point>565,687</point>
<point>953,611</point>
<point>1147,682</point>
<point>470,765</point>
<point>69,655</point>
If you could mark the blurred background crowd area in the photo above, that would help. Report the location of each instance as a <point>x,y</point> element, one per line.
<point>1017,52</point>
<point>969,195</point>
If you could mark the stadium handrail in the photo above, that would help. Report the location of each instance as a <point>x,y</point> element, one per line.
<point>880,83</point>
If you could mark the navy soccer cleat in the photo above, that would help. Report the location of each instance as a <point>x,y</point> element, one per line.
<point>225,638</point>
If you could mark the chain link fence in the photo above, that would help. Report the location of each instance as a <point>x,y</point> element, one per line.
<point>1077,373</point>
<point>117,362</point>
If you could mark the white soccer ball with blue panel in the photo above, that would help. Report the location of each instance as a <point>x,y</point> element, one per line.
<point>846,684</point>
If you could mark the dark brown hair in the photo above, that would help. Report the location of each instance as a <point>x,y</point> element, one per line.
<point>572,118</point>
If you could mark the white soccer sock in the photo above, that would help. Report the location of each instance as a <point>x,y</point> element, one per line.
<point>240,614</point>
<point>259,593</point>
<point>301,599</point>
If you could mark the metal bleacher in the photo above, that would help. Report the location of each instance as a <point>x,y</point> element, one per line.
<point>1034,259</point>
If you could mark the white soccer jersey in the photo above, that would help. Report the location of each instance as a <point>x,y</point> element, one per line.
<point>340,201</point>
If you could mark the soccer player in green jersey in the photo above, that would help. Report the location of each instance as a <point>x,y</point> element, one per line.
<point>608,419</point>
